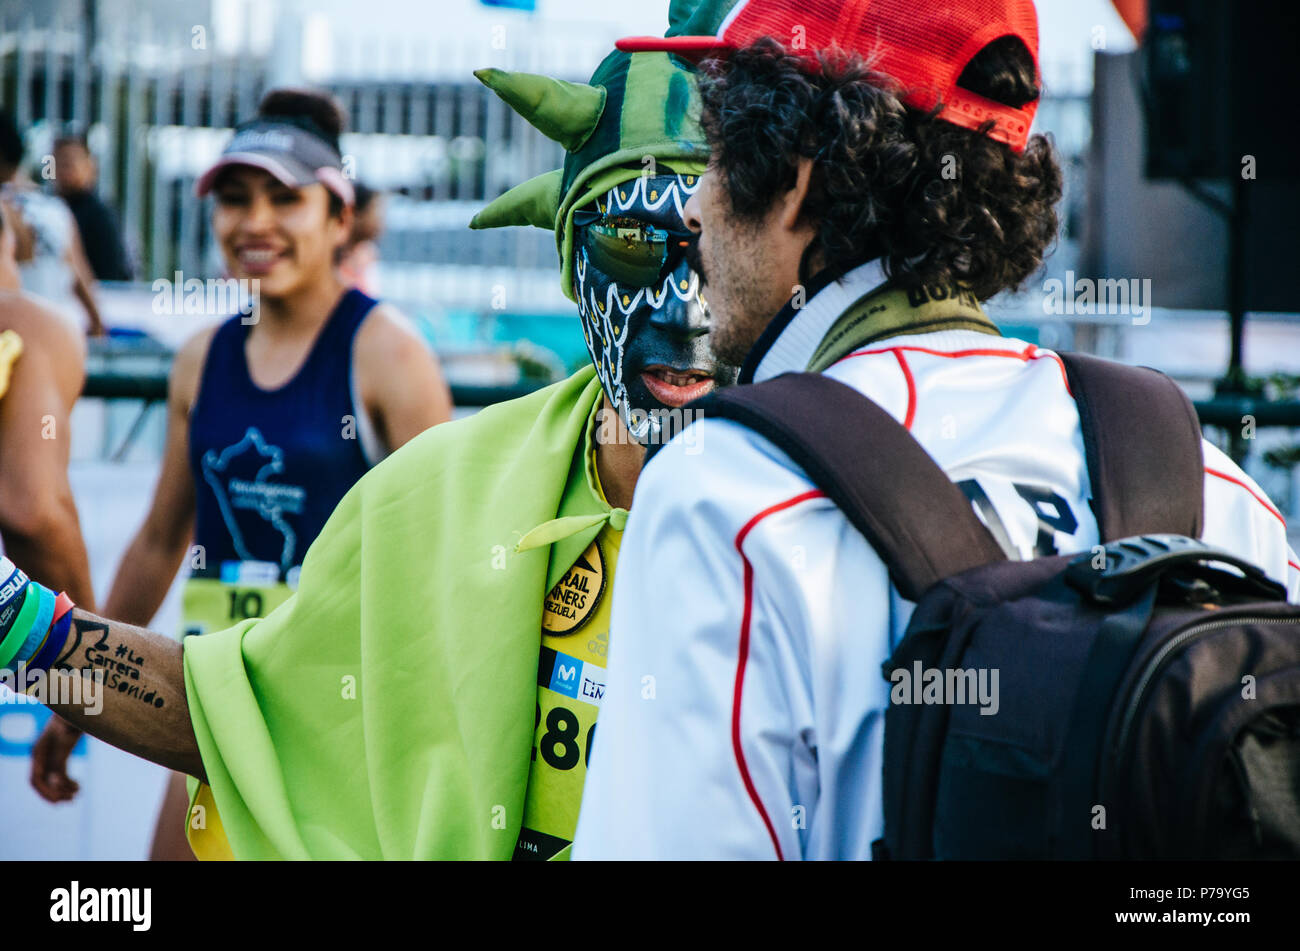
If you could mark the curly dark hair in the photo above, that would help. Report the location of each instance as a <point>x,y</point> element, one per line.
<point>941,204</point>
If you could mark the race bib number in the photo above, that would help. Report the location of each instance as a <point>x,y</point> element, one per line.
<point>209,604</point>
<point>570,688</point>
<point>564,730</point>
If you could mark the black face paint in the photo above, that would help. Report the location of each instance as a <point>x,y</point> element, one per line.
<point>659,331</point>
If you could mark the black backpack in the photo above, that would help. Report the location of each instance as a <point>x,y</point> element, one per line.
<point>1148,699</point>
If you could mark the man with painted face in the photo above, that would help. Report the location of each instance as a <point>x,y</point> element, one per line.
<point>431,689</point>
<point>616,208</point>
<point>644,321</point>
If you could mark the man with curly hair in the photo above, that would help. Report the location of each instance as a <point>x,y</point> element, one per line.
<point>872,180</point>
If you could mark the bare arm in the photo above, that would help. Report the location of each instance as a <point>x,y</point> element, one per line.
<point>401,382</point>
<point>83,283</point>
<point>150,716</point>
<point>38,516</point>
<point>154,555</point>
<point>149,563</point>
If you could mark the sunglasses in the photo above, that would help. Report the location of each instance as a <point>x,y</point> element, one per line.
<point>628,250</point>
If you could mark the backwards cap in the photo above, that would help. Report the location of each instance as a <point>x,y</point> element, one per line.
<point>636,105</point>
<point>922,44</point>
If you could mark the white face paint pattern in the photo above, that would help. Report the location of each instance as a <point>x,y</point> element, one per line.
<point>605,323</point>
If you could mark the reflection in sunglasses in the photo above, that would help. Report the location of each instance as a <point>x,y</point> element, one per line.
<point>628,250</point>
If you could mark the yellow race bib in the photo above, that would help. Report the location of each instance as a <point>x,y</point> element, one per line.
<point>570,687</point>
<point>208,604</point>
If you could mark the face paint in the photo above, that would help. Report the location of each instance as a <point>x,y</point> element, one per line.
<point>650,345</point>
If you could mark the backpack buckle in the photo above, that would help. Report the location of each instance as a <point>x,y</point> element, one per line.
<point>1132,564</point>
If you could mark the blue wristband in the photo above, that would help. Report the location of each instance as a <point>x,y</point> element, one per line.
<point>40,626</point>
<point>49,653</point>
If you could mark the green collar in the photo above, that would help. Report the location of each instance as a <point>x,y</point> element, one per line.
<point>583,510</point>
<point>889,311</point>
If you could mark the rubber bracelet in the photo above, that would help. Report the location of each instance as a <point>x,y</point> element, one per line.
<point>15,590</point>
<point>8,570</point>
<point>62,605</point>
<point>9,613</point>
<point>49,653</point>
<point>7,567</point>
<point>40,627</point>
<point>48,649</point>
<point>22,626</point>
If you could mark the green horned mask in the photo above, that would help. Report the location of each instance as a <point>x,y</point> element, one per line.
<point>638,109</point>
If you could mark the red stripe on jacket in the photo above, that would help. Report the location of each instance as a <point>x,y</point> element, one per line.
<point>743,657</point>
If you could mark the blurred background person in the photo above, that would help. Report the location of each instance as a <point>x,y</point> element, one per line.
<point>271,418</point>
<point>359,257</point>
<point>46,245</point>
<point>75,176</point>
<point>42,368</point>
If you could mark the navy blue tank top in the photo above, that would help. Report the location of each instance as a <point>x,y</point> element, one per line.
<point>269,466</point>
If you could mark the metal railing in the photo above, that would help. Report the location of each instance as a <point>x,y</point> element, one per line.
<point>156,114</point>
<point>156,110</point>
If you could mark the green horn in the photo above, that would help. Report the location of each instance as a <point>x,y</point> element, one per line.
<point>565,112</point>
<point>536,202</point>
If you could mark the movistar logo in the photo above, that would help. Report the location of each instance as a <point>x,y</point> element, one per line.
<point>16,581</point>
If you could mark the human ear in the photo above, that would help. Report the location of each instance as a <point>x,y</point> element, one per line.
<point>342,223</point>
<point>793,200</point>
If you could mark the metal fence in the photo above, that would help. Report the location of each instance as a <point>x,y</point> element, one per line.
<point>156,113</point>
<point>156,107</point>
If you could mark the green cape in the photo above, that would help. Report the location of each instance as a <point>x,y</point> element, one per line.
<point>386,710</point>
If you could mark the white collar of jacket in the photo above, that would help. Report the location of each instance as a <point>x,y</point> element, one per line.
<point>790,340</point>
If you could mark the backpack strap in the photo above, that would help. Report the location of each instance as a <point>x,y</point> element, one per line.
<point>1142,441</point>
<point>920,524</point>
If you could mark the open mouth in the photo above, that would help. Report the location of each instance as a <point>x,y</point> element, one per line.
<point>259,260</point>
<point>676,387</point>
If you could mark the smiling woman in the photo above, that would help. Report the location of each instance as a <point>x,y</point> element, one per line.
<point>274,414</point>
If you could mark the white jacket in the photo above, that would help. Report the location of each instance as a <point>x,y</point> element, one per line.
<point>744,713</point>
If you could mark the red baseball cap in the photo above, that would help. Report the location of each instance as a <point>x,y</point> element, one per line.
<point>922,44</point>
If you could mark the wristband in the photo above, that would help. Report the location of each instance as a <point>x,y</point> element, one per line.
<point>7,570</point>
<point>40,628</point>
<point>49,653</point>
<point>62,605</point>
<point>22,626</point>
<point>12,591</point>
